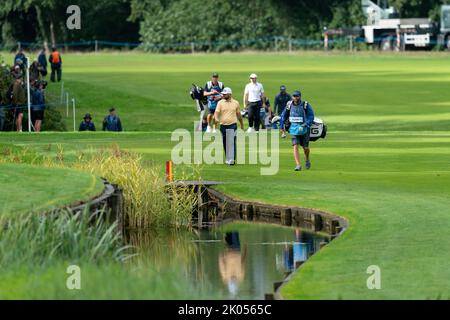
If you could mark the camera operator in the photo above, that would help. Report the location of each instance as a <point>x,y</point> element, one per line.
<point>38,104</point>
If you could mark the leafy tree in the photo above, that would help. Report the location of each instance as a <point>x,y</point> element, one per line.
<point>418,8</point>
<point>45,21</point>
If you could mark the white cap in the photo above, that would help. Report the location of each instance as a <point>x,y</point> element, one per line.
<point>227,91</point>
<point>253,76</point>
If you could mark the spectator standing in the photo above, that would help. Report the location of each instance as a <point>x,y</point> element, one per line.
<point>20,58</point>
<point>56,65</point>
<point>112,122</point>
<point>19,101</point>
<point>38,105</point>
<point>42,59</point>
<point>87,124</point>
<point>34,71</point>
<point>17,71</point>
<point>254,99</point>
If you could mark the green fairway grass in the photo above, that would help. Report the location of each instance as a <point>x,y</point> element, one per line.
<point>28,188</point>
<point>384,166</point>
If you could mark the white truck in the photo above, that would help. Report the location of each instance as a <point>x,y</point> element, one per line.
<point>386,30</point>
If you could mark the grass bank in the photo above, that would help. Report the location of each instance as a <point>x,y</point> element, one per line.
<point>28,188</point>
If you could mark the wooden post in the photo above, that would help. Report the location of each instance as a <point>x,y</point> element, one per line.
<point>193,47</point>
<point>317,222</point>
<point>286,217</point>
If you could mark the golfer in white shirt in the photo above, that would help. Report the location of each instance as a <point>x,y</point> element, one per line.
<point>254,99</point>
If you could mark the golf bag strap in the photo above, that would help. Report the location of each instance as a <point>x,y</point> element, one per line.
<point>288,106</point>
<point>210,86</point>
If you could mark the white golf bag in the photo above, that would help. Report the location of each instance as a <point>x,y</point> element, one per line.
<point>318,128</point>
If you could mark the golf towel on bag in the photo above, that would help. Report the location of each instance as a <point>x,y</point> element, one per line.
<point>297,119</point>
<point>297,127</point>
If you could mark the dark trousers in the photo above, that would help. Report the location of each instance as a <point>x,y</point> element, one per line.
<point>56,69</point>
<point>229,140</point>
<point>254,119</point>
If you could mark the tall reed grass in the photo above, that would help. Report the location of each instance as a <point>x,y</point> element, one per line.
<point>40,239</point>
<point>148,200</point>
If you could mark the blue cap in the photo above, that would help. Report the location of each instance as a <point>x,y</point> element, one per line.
<point>296,93</point>
<point>283,88</point>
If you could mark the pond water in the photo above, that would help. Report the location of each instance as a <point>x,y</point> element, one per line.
<point>234,261</point>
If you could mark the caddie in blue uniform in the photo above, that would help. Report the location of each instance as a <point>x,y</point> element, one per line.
<point>213,90</point>
<point>298,118</point>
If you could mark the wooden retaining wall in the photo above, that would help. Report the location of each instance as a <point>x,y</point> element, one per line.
<point>214,207</point>
<point>111,200</point>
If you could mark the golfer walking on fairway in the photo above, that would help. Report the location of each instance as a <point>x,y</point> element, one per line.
<point>228,112</point>
<point>254,100</point>
<point>299,116</point>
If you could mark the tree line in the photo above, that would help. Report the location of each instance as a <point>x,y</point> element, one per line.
<point>162,25</point>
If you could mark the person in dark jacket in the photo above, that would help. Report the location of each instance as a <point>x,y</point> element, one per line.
<point>87,124</point>
<point>112,122</point>
<point>42,59</point>
<point>19,101</point>
<point>34,71</point>
<point>20,56</point>
<point>281,100</point>
<point>37,105</point>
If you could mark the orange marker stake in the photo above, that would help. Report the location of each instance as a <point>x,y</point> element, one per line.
<point>169,171</point>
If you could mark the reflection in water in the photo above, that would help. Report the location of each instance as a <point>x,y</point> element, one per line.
<point>236,261</point>
<point>232,263</point>
<point>303,247</point>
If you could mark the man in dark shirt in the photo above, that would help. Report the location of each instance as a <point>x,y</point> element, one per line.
<point>42,59</point>
<point>112,122</point>
<point>87,124</point>
<point>20,56</point>
<point>280,103</point>
<point>37,105</point>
